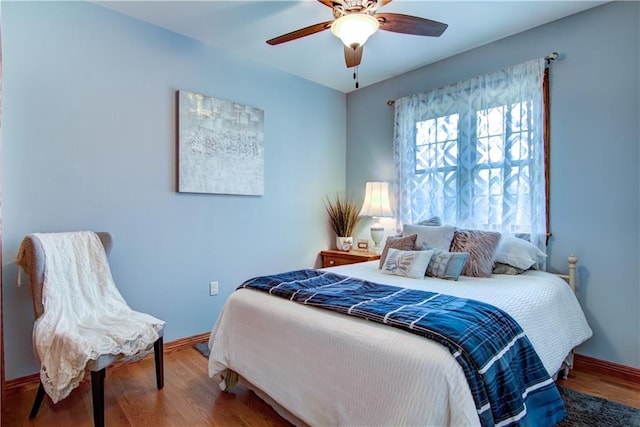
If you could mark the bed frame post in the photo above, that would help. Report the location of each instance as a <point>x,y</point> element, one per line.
<point>573,260</point>
<point>571,278</point>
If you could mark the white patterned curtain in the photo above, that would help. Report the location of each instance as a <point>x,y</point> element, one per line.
<point>473,153</point>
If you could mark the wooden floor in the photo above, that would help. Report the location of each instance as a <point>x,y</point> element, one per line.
<point>190,398</point>
<point>616,389</point>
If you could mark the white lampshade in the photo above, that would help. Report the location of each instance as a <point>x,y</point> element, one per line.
<point>376,200</point>
<point>354,29</point>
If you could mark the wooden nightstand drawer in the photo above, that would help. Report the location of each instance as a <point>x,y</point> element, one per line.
<point>332,258</point>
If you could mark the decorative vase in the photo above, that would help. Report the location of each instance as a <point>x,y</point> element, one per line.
<point>344,243</point>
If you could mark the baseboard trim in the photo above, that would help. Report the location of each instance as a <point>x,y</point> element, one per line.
<point>20,382</point>
<point>185,342</point>
<point>597,366</point>
<point>33,379</point>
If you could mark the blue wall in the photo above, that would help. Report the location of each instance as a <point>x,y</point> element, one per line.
<point>89,120</point>
<point>595,191</point>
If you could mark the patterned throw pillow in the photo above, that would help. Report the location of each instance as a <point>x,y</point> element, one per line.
<point>438,237</point>
<point>406,263</point>
<point>481,246</point>
<point>500,268</point>
<point>406,243</point>
<point>445,265</point>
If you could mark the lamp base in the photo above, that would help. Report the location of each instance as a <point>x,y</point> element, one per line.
<point>377,234</point>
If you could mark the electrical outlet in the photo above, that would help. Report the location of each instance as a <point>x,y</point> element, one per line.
<point>213,288</point>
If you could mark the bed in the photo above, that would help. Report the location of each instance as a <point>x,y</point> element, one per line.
<point>317,367</point>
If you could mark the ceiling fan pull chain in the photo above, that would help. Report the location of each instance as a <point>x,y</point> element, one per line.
<point>355,77</point>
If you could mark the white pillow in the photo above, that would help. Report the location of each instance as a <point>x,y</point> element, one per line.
<point>437,237</point>
<point>407,263</point>
<point>518,252</point>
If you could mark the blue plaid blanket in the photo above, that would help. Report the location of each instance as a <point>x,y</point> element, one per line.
<point>509,384</point>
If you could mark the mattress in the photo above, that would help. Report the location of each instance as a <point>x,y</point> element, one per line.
<point>329,369</point>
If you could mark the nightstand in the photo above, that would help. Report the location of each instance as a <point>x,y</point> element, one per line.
<point>333,257</point>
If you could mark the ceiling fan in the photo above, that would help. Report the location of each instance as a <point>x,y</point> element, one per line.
<point>355,20</point>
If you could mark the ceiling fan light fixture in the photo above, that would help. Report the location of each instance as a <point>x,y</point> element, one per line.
<point>354,29</point>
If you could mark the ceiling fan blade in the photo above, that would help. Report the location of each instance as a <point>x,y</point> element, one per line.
<point>407,24</point>
<point>382,3</point>
<point>352,57</point>
<point>327,3</point>
<point>303,32</point>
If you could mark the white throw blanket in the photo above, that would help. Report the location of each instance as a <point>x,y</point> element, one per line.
<point>84,314</point>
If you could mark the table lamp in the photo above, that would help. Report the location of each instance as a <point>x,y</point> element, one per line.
<point>376,205</point>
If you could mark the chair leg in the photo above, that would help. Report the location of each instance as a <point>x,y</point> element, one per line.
<point>97,390</point>
<point>159,358</point>
<point>38,401</point>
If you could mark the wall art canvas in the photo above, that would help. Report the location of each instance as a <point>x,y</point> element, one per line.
<point>220,146</point>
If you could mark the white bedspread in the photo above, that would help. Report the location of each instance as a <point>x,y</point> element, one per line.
<point>84,314</point>
<point>330,369</point>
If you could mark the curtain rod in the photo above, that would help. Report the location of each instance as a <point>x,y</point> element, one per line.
<point>552,57</point>
<point>548,58</point>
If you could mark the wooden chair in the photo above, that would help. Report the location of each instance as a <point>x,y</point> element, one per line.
<point>34,265</point>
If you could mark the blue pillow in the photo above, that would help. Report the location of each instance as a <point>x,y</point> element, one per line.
<point>445,265</point>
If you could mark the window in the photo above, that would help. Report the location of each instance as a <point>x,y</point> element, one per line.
<point>473,153</point>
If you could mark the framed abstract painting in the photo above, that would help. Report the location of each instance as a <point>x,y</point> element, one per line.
<point>220,146</point>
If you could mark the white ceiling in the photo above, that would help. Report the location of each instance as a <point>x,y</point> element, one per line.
<point>242,27</point>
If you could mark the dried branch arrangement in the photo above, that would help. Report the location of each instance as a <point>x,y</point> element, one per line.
<point>343,214</point>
